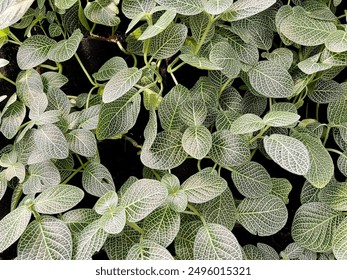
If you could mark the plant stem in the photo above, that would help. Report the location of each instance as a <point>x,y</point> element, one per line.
<point>132,141</point>
<point>259,135</point>
<point>188,212</point>
<point>12,36</point>
<point>85,71</point>
<point>196,212</point>
<point>199,164</point>
<point>135,227</point>
<point>335,151</point>
<point>89,94</point>
<point>224,86</point>
<point>174,78</point>
<point>119,44</point>
<point>73,174</point>
<point>317,111</point>
<point>7,79</point>
<point>204,35</point>
<point>326,135</point>
<point>50,67</point>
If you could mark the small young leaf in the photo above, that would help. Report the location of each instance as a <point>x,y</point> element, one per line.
<point>113,220</point>
<point>108,200</point>
<point>335,196</point>
<point>280,118</point>
<point>193,112</point>
<point>110,68</point>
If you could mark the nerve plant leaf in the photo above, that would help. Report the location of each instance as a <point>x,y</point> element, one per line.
<point>340,241</point>
<point>184,7</point>
<point>107,201</point>
<point>110,68</point>
<point>197,141</point>
<point>336,41</point>
<point>103,12</point>
<point>184,242</point>
<point>280,118</point>
<point>148,250</point>
<point>82,142</point>
<point>12,118</point>
<point>335,196</point>
<point>131,8</point>
<point>216,7</point>
<point>246,123</point>
<point>64,4</point>
<point>12,10</point>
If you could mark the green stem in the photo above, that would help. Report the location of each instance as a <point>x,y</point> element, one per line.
<point>7,79</point>
<point>12,36</point>
<point>92,30</point>
<point>157,176</point>
<point>317,111</point>
<point>259,135</point>
<point>36,215</point>
<point>169,67</point>
<point>199,164</point>
<point>288,2</point>
<point>147,42</point>
<point>85,71</point>
<point>60,67</point>
<point>24,125</point>
<point>326,135</point>
<point>135,227</point>
<point>14,42</point>
<point>204,35</point>
<point>50,67</point>
<point>132,141</point>
<point>335,151</point>
<point>174,78</point>
<point>224,86</point>
<point>253,152</point>
<point>73,174</point>
<point>119,44</point>
<point>89,95</point>
<point>188,212</point>
<point>178,67</point>
<point>196,212</point>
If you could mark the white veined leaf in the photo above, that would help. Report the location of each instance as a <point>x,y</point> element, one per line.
<point>54,30</point>
<point>313,226</point>
<point>89,241</point>
<point>46,239</point>
<point>177,198</point>
<point>216,7</point>
<point>223,55</point>
<point>97,180</point>
<point>252,104</point>
<point>57,100</point>
<point>288,152</point>
<point>89,117</point>
<point>268,253</point>
<point>312,65</point>
<point>117,246</point>
<point>52,79</point>
<point>326,92</point>
<point>281,56</point>
<point>340,241</point>
<point>107,201</point>
<point>284,107</point>
<point>113,220</point>
<point>225,119</point>
<point>321,164</point>
<point>3,62</point>
<point>131,8</point>
<point>183,7</point>
<point>230,100</point>
<point>78,219</point>
<point>13,225</point>
<point>246,8</point>
<point>229,149</point>
<point>64,4</point>
<point>304,30</point>
<point>334,59</point>
<point>262,216</point>
<point>148,250</point>
<point>12,10</point>
<point>342,164</point>
<point>271,80</point>
<point>280,118</point>
<point>162,225</point>
<point>82,142</point>
<point>118,116</point>
<point>309,193</point>
<point>34,51</point>
<point>198,24</point>
<point>281,187</point>
<point>252,180</point>
<point>166,152</point>
<point>12,118</point>
<point>335,196</point>
<point>292,252</point>
<point>220,210</point>
<point>197,141</point>
<point>252,252</point>
<point>336,41</point>
<point>58,199</point>
<point>203,186</point>
<point>65,49</point>
<point>337,111</point>
<point>216,242</point>
<point>199,62</point>
<point>168,42</point>
<point>103,12</point>
<point>121,83</point>
<point>142,198</point>
<point>161,24</point>
<point>16,169</point>
<point>184,242</point>
<point>110,68</point>
<point>51,141</point>
<point>193,112</point>
<point>3,184</point>
<point>134,22</point>
<point>246,123</point>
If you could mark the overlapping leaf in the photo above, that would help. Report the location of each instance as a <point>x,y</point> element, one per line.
<point>184,7</point>
<point>197,141</point>
<point>103,12</point>
<point>148,250</point>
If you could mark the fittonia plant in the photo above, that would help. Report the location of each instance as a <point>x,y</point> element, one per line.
<point>264,65</point>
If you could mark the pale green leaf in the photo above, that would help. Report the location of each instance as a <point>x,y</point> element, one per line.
<point>281,56</point>
<point>290,153</point>
<point>113,220</point>
<point>203,186</point>
<point>326,92</point>
<point>54,30</point>
<point>309,193</point>
<point>281,187</point>
<point>252,252</point>
<point>78,219</point>
<point>142,198</point>
<point>199,62</point>
<point>198,24</point>
<point>216,7</point>
<point>268,253</point>
<point>184,7</point>
<point>34,51</point>
<point>58,199</point>
<point>12,10</point>
<point>197,141</point>
<point>103,12</point>
<point>216,242</point>
<point>107,201</point>
<point>3,184</point>
<point>246,123</point>
<point>15,170</point>
<point>280,118</point>
<point>52,79</point>
<point>110,68</point>
<point>82,142</point>
<point>13,225</point>
<point>148,250</point>
<point>57,100</point>
<point>342,164</point>
<point>312,65</point>
<point>225,119</point>
<point>184,242</point>
<point>97,180</point>
<point>335,196</point>
<point>12,118</point>
<point>252,180</point>
<point>231,100</point>
<point>313,226</point>
<point>334,59</point>
<point>262,216</point>
<point>64,4</point>
<point>229,149</point>
<point>340,241</point>
<point>337,111</point>
<point>292,252</point>
<point>336,41</point>
<point>131,8</point>
<point>252,104</point>
<point>193,112</point>
<point>46,239</point>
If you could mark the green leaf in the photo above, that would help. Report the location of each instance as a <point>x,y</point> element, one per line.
<point>177,198</point>
<point>34,51</point>
<point>197,141</point>
<point>13,225</point>
<point>280,118</point>
<point>54,30</point>
<point>336,41</point>
<point>281,187</point>
<point>46,239</point>
<point>89,241</point>
<point>162,225</point>
<point>131,8</point>
<point>229,149</point>
<point>110,68</point>
<point>246,123</point>
<point>57,100</point>
<point>223,55</point>
<point>216,242</point>
<point>271,80</point>
<point>183,7</point>
<point>3,184</point>
<point>58,199</point>
<point>203,186</point>
<point>225,119</point>
<point>337,111</point>
<point>199,62</point>
<point>166,152</point>
<point>12,10</point>
<point>334,196</point>
<point>161,24</point>
<point>216,7</point>
<point>252,180</point>
<point>12,118</point>
<point>3,62</point>
<point>193,112</point>
<point>334,59</point>
<point>121,83</point>
<point>65,49</point>
<point>148,250</point>
<point>262,216</point>
<point>304,30</point>
<point>252,104</point>
<point>97,180</point>
<point>103,12</point>
<point>313,226</point>
<point>82,142</point>
<point>78,219</point>
<point>108,200</point>
<point>198,24</point>
<point>342,164</point>
<point>281,56</point>
<point>292,252</point>
<point>64,4</point>
<point>184,242</point>
<point>326,92</point>
<point>168,42</point>
<point>309,193</point>
<point>53,80</point>
<point>246,8</point>
<point>340,241</point>
<point>113,220</point>
<point>51,141</point>
<point>321,164</point>
<point>288,152</point>
<point>142,198</point>
<point>312,65</point>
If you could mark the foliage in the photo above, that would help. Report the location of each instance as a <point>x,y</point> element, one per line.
<point>265,64</point>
